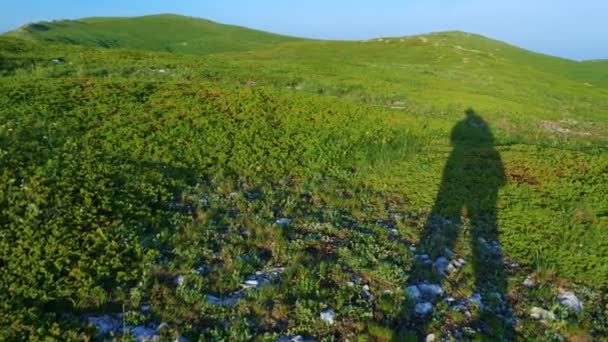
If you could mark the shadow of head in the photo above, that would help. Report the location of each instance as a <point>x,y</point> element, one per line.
<point>472,130</point>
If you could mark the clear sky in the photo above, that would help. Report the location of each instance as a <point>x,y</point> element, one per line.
<point>568,28</point>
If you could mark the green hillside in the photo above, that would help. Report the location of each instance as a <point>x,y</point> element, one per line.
<point>166,32</point>
<point>309,188</point>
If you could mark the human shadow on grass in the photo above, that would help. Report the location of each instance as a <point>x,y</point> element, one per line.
<point>466,206</point>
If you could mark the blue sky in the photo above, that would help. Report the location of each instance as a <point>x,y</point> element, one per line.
<point>567,28</point>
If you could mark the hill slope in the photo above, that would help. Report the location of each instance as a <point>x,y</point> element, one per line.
<point>275,188</point>
<point>164,32</point>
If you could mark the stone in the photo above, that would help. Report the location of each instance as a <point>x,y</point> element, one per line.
<point>452,268</point>
<point>529,282</point>
<point>459,308</point>
<point>413,293</point>
<point>179,280</point>
<point>366,292</point>
<point>283,221</point>
<point>448,252</point>
<point>458,334</point>
<point>430,290</point>
<point>250,284</point>
<point>441,265</point>
<point>570,301</point>
<point>144,334</point>
<point>328,316</point>
<point>423,308</point>
<point>294,339</point>
<point>431,338</point>
<point>105,324</point>
<point>228,301</point>
<point>542,314</point>
<point>476,299</point>
<point>357,279</point>
<point>422,257</point>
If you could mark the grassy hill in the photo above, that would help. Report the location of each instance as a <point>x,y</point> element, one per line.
<point>166,32</point>
<point>243,194</point>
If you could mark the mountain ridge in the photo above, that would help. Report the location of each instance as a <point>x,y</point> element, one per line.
<point>35,28</point>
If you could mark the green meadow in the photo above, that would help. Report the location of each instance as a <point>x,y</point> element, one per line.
<point>169,177</point>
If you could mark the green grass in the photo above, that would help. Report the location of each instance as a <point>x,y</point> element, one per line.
<point>121,169</point>
<point>165,32</point>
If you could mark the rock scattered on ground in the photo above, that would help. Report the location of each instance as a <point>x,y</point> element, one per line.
<point>529,282</point>
<point>294,339</point>
<point>229,300</point>
<point>413,293</point>
<point>423,308</point>
<point>105,324</point>
<point>441,265</point>
<point>492,246</point>
<point>542,314</point>
<point>144,334</point>
<point>328,316</point>
<point>476,299</point>
<point>283,221</point>
<point>113,324</point>
<point>367,293</point>
<point>253,282</point>
<point>570,301</point>
<point>431,338</point>
<point>430,290</point>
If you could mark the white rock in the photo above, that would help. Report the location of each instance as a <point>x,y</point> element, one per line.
<point>422,257</point>
<point>430,290</point>
<point>452,268</point>
<point>529,282</point>
<point>328,316</point>
<point>542,314</point>
<point>461,261</point>
<point>424,308</point>
<point>179,280</point>
<point>357,279</point>
<point>203,269</point>
<point>294,339</point>
<point>570,301</point>
<point>476,299</point>
<point>143,334</point>
<point>441,264</point>
<point>228,301</point>
<point>413,293</point>
<point>459,308</point>
<point>105,324</point>
<point>250,284</point>
<point>431,338</point>
<point>283,221</point>
<point>366,292</point>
